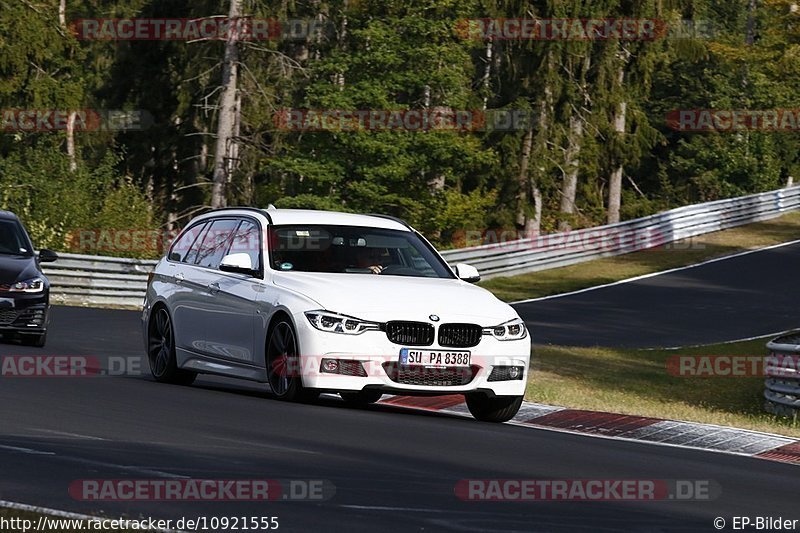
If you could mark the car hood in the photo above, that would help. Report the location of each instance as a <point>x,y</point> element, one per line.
<point>383,298</point>
<point>15,268</point>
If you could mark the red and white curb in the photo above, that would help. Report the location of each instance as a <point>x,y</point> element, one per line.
<point>707,437</point>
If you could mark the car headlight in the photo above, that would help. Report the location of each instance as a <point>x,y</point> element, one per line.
<point>335,323</point>
<point>28,285</point>
<point>508,331</point>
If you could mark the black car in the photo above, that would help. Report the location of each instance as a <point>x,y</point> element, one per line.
<point>24,289</point>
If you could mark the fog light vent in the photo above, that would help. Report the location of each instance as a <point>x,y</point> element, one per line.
<point>506,373</point>
<point>344,367</point>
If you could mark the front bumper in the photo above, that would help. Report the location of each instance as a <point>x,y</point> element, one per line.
<point>379,359</point>
<point>24,313</point>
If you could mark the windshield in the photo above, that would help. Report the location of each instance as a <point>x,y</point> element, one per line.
<point>353,250</point>
<point>13,239</point>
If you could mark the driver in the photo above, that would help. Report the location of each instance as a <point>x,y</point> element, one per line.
<point>371,258</point>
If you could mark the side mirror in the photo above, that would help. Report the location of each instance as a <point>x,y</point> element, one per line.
<point>467,272</point>
<point>238,263</point>
<point>47,256</point>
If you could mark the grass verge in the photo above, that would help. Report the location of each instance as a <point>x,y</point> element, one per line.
<point>637,382</point>
<point>610,269</point>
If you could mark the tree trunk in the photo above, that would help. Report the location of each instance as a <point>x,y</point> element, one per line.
<point>569,186</point>
<point>322,14</point>
<point>527,180</point>
<point>530,225</point>
<point>73,163</point>
<point>615,181</point>
<point>534,224</point>
<point>487,72</point>
<point>437,181</point>
<point>227,112</point>
<point>233,162</point>
<point>614,195</point>
<point>522,177</point>
<point>749,37</point>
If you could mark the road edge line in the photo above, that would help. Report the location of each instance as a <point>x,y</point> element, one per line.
<point>654,274</point>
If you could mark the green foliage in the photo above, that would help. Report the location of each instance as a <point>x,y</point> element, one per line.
<point>56,204</point>
<point>401,55</point>
<point>459,212</point>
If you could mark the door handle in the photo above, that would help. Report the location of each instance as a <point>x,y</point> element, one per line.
<point>179,277</point>
<point>213,288</point>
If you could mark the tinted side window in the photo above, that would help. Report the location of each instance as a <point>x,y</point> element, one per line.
<point>216,242</point>
<point>247,240</point>
<point>182,246</point>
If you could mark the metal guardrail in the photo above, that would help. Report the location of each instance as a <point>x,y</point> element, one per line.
<point>118,282</point>
<point>92,280</point>
<point>562,249</point>
<point>782,370</point>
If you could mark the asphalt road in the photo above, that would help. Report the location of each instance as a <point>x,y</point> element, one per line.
<point>746,296</point>
<point>393,470</point>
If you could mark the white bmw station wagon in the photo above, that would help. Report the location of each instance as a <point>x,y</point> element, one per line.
<point>315,301</point>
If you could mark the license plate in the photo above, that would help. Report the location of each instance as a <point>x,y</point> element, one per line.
<point>434,358</point>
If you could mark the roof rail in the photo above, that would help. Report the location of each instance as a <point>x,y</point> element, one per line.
<point>253,209</point>
<point>390,217</point>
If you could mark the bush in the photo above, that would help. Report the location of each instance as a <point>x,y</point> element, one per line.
<point>56,204</point>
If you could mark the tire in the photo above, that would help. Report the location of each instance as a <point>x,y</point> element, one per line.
<point>161,351</point>
<point>361,398</point>
<point>497,409</point>
<point>283,369</point>
<point>34,340</point>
